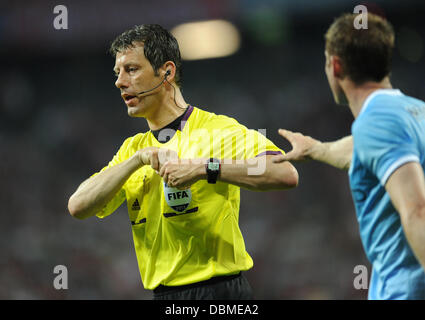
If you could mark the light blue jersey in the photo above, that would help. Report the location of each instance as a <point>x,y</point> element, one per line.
<point>389,132</point>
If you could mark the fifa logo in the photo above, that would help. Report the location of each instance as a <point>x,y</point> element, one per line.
<point>178,195</point>
<point>177,199</point>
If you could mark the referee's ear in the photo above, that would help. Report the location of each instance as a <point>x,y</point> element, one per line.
<point>168,71</point>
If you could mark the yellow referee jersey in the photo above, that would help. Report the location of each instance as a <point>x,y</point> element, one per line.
<point>187,236</point>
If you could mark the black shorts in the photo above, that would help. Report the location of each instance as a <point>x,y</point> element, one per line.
<point>234,287</point>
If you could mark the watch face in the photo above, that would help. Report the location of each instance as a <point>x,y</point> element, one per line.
<point>213,166</point>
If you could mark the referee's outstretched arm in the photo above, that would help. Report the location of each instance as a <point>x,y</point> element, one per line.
<point>260,174</point>
<point>257,174</point>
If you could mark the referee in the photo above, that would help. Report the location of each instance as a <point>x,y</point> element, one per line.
<point>181,179</point>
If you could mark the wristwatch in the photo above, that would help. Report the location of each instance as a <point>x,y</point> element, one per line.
<point>213,167</point>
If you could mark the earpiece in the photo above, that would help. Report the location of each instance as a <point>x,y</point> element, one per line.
<point>167,73</point>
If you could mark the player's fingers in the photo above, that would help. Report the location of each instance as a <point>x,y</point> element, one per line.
<point>286,134</point>
<point>279,158</point>
<point>290,156</point>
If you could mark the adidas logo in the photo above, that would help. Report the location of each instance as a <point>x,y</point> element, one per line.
<point>135,205</point>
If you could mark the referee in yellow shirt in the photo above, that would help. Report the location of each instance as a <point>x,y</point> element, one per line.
<point>180,179</point>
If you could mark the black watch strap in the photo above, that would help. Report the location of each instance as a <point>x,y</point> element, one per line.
<point>213,167</point>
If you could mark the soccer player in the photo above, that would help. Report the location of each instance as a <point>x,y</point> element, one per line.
<point>385,155</point>
<point>181,179</point>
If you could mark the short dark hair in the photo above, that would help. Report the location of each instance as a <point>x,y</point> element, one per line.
<point>366,54</point>
<point>159,46</point>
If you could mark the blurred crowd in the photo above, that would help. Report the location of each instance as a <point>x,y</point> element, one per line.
<point>62,119</point>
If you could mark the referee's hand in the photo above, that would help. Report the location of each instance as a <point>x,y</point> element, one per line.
<point>156,157</point>
<point>182,173</point>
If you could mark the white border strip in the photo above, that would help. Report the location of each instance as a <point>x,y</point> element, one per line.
<point>396,165</point>
<point>392,92</point>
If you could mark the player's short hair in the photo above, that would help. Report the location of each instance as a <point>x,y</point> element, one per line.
<point>366,54</point>
<point>159,46</point>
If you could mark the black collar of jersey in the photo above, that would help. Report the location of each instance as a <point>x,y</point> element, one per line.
<point>169,130</point>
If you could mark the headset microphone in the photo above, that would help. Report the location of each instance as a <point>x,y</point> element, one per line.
<point>165,79</point>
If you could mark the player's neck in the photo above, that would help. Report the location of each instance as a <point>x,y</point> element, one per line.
<point>167,111</point>
<point>357,94</point>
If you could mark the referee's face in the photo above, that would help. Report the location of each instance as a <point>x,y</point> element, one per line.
<point>135,74</point>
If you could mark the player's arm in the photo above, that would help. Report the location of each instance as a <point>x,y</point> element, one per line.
<point>336,153</point>
<point>406,187</point>
<point>258,174</point>
<point>94,193</point>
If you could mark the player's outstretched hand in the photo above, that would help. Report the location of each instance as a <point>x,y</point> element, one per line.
<point>302,147</point>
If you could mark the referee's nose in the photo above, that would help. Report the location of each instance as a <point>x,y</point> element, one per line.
<point>122,81</point>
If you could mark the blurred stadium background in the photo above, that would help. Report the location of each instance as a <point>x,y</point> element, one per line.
<point>61,119</point>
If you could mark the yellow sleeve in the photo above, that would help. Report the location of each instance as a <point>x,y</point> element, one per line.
<point>258,145</point>
<point>231,140</point>
<point>120,196</point>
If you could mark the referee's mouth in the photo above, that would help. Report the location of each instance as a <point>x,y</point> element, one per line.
<point>129,99</point>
